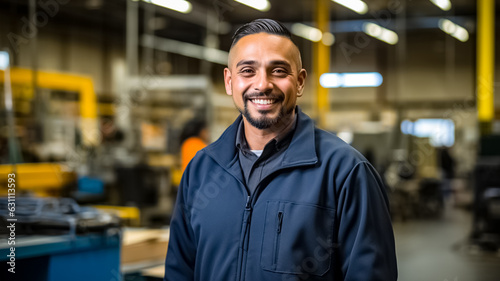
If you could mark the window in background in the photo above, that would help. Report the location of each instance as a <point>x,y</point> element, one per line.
<point>440,131</point>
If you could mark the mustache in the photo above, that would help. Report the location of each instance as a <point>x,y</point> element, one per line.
<point>253,95</point>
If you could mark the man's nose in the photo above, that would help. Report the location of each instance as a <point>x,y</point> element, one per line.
<point>263,82</point>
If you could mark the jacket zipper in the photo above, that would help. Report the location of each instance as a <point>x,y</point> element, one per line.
<point>278,238</point>
<point>244,246</point>
<point>248,213</point>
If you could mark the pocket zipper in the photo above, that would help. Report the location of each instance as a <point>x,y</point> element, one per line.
<point>278,236</point>
<point>280,221</point>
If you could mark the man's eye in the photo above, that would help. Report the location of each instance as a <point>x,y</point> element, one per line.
<point>246,70</point>
<point>280,71</point>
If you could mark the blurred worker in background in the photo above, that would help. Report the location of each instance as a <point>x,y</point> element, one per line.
<point>275,198</point>
<point>194,137</point>
<point>447,164</point>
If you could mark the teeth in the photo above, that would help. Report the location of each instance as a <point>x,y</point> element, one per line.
<point>262,101</point>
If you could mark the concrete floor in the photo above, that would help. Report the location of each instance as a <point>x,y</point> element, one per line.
<point>437,250</point>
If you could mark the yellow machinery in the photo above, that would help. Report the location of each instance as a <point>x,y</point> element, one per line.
<point>65,82</point>
<point>41,179</point>
<point>47,179</point>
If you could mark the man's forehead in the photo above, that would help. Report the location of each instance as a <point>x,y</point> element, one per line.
<point>264,43</point>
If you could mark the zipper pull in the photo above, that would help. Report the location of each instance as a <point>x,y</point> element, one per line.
<point>280,221</point>
<point>247,205</point>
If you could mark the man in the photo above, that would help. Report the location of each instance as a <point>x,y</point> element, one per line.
<point>276,198</point>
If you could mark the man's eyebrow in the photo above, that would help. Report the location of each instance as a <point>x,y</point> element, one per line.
<point>271,63</point>
<point>280,63</point>
<point>246,62</point>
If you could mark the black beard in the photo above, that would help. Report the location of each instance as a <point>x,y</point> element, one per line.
<point>264,122</point>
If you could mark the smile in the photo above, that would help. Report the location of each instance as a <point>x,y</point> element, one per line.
<point>263,101</point>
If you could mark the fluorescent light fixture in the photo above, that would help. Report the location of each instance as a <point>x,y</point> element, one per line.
<point>261,5</point>
<point>380,33</point>
<point>454,30</point>
<point>328,39</point>
<point>445,5</point>
<point>330,80</point>
<point>368,79</point>
<point>407,127</point>
<point>4,60</point>
<point>181,6</point>
<point>307,32</point>
<point>350,80</point>
<point>358,6</point>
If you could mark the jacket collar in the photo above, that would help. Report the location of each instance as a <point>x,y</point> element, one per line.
<point>301,151</point>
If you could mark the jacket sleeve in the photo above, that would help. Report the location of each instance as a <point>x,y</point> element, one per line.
<point>181,253</point>
<point>366,249</point>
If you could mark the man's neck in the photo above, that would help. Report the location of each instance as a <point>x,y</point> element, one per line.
<point>258,138</point>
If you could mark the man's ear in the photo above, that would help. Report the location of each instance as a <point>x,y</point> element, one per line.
<point>301,81</point>
<point>227,81</point>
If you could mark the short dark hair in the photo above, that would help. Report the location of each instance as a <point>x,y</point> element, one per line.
<point>192,128</point>
<point>261,25</point>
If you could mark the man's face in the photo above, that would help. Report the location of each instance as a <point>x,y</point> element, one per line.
<point>265,77</point>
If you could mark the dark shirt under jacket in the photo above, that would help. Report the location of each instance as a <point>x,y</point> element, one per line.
<point>256,168</point>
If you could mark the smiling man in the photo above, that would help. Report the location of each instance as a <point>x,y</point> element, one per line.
<point>275,198</point>
<point>265,72</point>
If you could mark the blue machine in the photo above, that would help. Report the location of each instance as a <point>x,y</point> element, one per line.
<point>52,239</point>
<point>93,257</point>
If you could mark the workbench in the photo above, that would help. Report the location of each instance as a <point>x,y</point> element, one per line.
<point>87,257</point>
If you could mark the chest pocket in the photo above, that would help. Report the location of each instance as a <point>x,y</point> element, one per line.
<point>298,238</point>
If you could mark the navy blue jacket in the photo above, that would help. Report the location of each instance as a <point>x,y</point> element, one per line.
<point>322,215</point>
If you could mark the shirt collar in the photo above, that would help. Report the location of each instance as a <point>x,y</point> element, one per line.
<point>280,141</point>
<point>303,145</point>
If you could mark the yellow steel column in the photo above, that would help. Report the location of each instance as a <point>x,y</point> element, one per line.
<point>485,64</point>
<point>321,57</point>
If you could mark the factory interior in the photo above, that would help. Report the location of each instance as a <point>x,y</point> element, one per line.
<point>97,96</point>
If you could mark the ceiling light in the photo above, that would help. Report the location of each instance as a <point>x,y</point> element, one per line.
<point>328,39</point>
<point>454,30</point>
<point>445,5</point>
<point>4,60</point>
<point>350,80</point>
<point>330,80</point>
<point>261,5</point>
<point>307,32</point>
<point>363,79</point>
<point>380,33</point>
<point>181,6</point>
<point>358,6</point>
